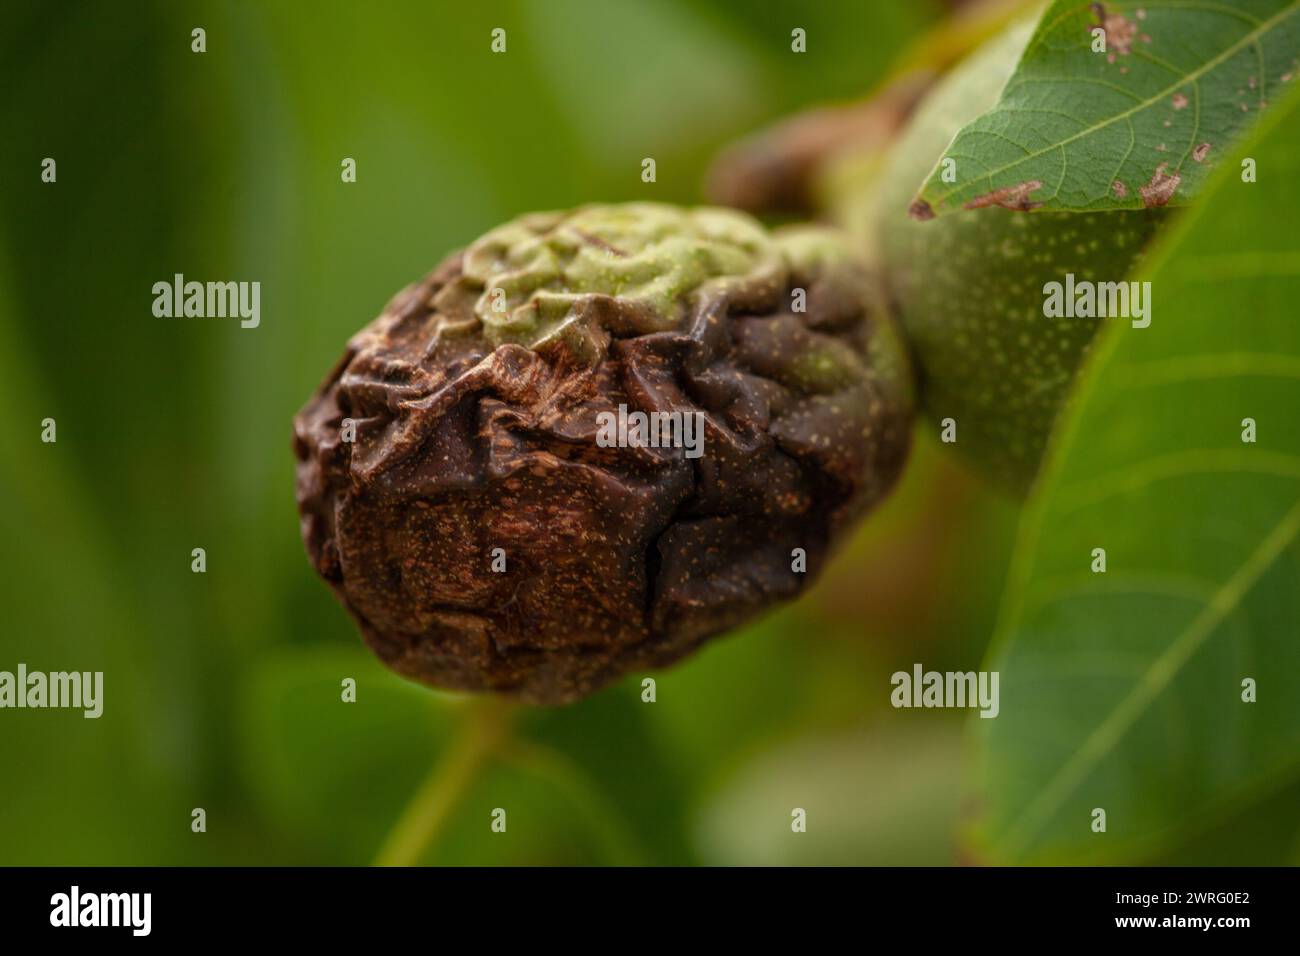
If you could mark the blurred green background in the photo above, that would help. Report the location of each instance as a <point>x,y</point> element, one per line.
<point>222,689</point>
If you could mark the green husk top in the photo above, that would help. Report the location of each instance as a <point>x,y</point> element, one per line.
<point>630,269</point>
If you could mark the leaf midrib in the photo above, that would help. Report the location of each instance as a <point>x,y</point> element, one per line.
<point>1157,677</point>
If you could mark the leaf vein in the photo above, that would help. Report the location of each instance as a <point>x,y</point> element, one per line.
<point>1153,683</point>
<point>1209,65</point>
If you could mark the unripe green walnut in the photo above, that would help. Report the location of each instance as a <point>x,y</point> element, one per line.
<point>968,286</point>
<point>490,529</point>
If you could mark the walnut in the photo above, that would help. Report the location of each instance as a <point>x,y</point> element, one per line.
<point>595,439</point>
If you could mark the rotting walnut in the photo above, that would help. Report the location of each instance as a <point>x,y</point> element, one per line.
<point>481,535</point>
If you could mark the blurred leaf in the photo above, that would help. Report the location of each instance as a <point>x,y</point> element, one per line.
<point>642,784</point>
<point>554,817</point>
<point>887,797</point>
<point>332,774</point>
<point>686,74</point>
<point>1177,82</point>
<point>79,790</point>
<point>1264,831</point>
<point>850,44</point>
<point>600,820</point>
<point>740,693</point>
<point>1123,690</point>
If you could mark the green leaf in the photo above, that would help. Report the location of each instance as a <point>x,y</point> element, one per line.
<point>329,774</point>
<point>1262,831</point>
<point>1136,126</point>
<point>331,777</point>
<point>554,816</point>
<point>1123,690</point>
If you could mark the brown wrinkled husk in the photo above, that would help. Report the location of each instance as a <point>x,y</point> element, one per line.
<point>617,558</point>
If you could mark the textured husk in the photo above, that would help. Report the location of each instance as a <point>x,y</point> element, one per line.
<point>469,439</point>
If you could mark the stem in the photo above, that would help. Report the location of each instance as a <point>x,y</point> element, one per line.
<point>485,726</point>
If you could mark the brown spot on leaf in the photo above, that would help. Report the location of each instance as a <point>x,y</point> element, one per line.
<point>1119,189</point>
<point>1179,101</point>
<point>920,210</point>
<point>1008,197</point>
<point>1120,30</point>
<point>1200,152</point>
<point>1161,188</point>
